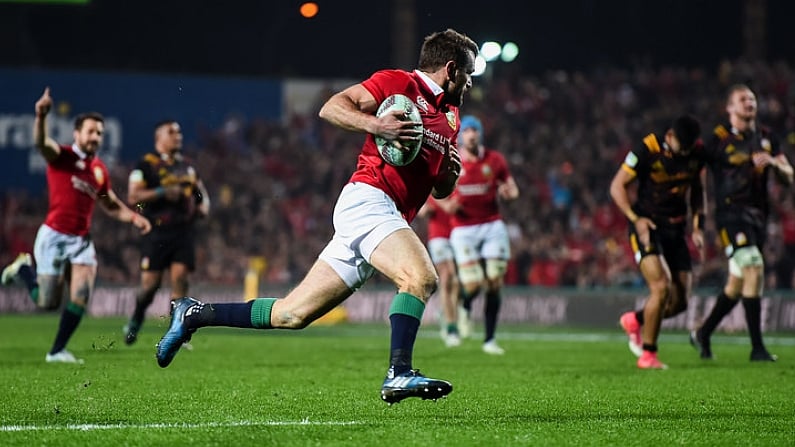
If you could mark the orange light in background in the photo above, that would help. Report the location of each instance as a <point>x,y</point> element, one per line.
<point>309,10</point>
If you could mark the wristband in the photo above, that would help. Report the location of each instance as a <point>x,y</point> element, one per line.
<point>160,191</point>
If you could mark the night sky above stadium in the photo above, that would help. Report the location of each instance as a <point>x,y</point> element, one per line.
<point>352,38</point>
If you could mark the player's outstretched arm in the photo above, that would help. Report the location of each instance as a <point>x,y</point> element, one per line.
<point>115,208</point>
<point>47,146</point>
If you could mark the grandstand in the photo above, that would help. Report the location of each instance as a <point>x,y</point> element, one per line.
<point>269,163</point>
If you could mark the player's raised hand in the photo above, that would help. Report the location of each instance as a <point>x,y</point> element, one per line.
<point>44,104</point>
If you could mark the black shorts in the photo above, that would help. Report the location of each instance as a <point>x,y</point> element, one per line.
<point>741,228</point>
<point>163,247</point>
<point>669,242</point>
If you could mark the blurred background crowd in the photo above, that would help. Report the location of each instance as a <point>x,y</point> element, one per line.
<point>565,133</point>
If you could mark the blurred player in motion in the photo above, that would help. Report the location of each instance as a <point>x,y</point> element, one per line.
<point>64,252</point>
<point>443,260</point>
<point>372,216</point>
<point>479,237</point>
<point>741,154</point>
<point>166,188</point>
<point>667,169</point>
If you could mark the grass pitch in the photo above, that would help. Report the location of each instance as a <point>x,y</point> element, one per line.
<point>321,387</point>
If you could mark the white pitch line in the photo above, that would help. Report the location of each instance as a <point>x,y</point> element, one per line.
<point>614,337</point>
<point>91,427</point>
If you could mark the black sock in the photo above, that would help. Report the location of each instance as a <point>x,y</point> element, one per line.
<point>404,334</point>
<point>28,276</point>
<point>70,318</point>
<point>639,316</point>
<point>649,347</point>
<point>466,300</point>
<point>753,318</point>
<point>142,302</point>
<point>225,314</point>
<point>722,307</point>
<point>491,312</point>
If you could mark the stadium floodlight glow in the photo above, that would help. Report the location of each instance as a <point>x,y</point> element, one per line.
<point>509,52</point>
<point>480,65</point>
<point>490,51</point>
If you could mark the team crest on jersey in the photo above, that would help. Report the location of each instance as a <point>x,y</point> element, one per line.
<point>98,175</point>
<point>765,143</point>
<point>486,170</point>
<point>422,103</point>
<point>145,263</point>
<point>451,119</point>
<point>80,164</point>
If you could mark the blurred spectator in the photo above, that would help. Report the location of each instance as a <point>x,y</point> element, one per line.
<point>566,132</point>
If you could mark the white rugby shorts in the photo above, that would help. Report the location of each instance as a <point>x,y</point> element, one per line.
<point>363,217</point>
<point>482,241</point>
<point>440,250</point>
<point>52,249</point>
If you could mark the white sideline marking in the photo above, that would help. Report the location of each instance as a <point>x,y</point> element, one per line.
<point>91,427</point>
<point>615,337</point>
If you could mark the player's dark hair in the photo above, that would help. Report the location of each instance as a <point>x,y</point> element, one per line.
<point>687,130</point>
<point>96,116</point>
<point>443,46</point>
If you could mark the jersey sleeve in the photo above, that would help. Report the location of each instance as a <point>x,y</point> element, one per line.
<point>636,160</point>
<point>501,167</point>
<point>144,172</point>
<point>386,82</point>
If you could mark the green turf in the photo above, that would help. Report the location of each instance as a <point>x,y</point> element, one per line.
<point>321,386</point>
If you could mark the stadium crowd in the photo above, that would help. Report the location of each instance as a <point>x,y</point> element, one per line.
<point>563,133</point>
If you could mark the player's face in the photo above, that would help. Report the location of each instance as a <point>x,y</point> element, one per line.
<point>742,105</point>
<point>89,136</point>
<point>461,81</point>
<point>469,140</point>
<point>169,137</point>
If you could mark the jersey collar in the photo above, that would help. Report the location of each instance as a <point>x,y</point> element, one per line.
<point>80,153</point>
<point>436,90</point>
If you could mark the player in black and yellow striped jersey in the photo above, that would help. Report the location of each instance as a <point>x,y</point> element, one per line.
<point>667,170</point>
<point>741,154</point>
<point>165,188</point>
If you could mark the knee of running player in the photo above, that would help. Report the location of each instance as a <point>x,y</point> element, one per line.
<point>659,289</point>
<point>50,292</point>
<point>748,264</point>
<point>472,278</point>
<point>420,283</point>
<point>495,273</point>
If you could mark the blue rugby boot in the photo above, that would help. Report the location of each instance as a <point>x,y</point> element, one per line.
<point>178,332</point>
<point>413,384</point>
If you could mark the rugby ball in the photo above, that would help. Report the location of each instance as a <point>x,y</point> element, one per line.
<point>392,152</point>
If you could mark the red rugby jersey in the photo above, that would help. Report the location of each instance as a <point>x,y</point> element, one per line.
<point>477,188</point>
<point>70,209</point>
<point>410,185</point>
<point>438,221</point>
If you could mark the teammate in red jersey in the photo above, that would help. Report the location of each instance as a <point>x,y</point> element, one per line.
<point>479,236</point>
<point>76,179</point>
<point>372,215</point>
<point>439,227</point>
